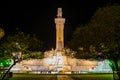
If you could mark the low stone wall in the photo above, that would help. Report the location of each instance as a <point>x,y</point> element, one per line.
<point>45,64</point>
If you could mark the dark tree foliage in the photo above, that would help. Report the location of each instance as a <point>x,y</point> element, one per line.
<point>100,37</point>
<point>2,33</point>
<point>27,43</point>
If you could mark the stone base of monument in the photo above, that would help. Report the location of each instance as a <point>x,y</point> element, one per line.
<point>64,65</point>
<point>60,64</point>
<point>59,68</point>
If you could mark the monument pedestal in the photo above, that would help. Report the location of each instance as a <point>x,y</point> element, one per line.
<point>59,68</point>
<point>59,63</point>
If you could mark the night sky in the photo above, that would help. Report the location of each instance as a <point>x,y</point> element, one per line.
<point>36,17</point>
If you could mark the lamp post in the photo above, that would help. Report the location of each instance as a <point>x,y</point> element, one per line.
<point>17,57</point>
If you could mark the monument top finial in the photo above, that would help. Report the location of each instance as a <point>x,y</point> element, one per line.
<point>59,14</point>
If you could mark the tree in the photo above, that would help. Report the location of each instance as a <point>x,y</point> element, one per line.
<point>13,45</point>
<point>35,44</point>
<point>27,43</point>
<point>100,37</point>
<point>2,33</point>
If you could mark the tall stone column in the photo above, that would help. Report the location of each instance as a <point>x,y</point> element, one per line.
<point>59,21</point>
<point>59,58</point>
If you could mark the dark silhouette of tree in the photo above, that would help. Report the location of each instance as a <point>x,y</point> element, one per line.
<point>27,42</point>
<point>18,46</point>
<point>100,38</point>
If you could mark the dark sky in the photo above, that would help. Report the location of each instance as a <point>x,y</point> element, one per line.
<point>36,17</point>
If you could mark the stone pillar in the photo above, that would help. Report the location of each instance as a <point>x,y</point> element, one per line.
<point>59,21</point>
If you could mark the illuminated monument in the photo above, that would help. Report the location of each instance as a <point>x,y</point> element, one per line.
<point>59,30</point>
<point>57,60</point>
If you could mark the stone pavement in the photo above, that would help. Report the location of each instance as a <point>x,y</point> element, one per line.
<point>64,77</point>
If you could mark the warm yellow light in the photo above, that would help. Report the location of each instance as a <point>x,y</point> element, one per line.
<point>81,48</point>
